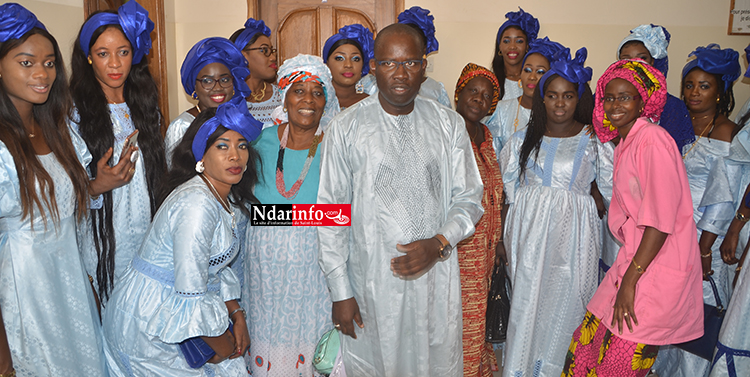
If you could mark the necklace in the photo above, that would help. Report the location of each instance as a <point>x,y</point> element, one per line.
<point>703,117</point>
<point>699,137</point>
<point>567,134</point>
<point>224,202</point>
<point>259,96</point>
<point>280,185</point>
<point>518,110</point>
<point>127,116</point>
<point>476,132</point>
<point>31,134</point>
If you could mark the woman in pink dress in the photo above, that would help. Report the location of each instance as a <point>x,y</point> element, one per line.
<point>652,295</point>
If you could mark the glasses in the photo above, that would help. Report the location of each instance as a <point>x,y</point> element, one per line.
<point>621,99</point>
<point>392,65</point>
<point>267,51</point>
<point>209,83</point>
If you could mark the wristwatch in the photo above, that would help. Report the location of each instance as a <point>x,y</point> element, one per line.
<point>739,216</point>
<point>445,248</point>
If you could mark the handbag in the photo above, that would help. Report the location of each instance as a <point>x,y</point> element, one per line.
<point>498,306</point>
<point>326,351</point>
<point>197,352</point>
<point>713,316</point>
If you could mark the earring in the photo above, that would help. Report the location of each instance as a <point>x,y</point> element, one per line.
<point>194,95</point>
<point>284,109</point>
<point>199,167</point>
<point>90,62</point>
<point>245,169</point>
<point>359,88</point>
<point>718,99</point>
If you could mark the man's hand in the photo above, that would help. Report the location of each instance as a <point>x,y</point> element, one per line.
<point>420,256</point>
<point>343,313</point>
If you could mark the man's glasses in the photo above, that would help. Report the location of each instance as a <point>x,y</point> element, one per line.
<point>392,65</point>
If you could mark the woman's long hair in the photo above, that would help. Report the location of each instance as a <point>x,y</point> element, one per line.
<point>95,125</point>
<point>498,65</point>
<point>183,165</point>
<point>51,117</point>
<point>538,120</point>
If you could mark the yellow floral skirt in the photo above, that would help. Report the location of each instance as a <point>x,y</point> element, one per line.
<point>595,351</point>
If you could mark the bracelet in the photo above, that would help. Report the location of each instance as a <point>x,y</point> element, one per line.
<point>11,374</point>
<point>706,255</point>
<point>739,216</point>
<point>638,268</point>
<point>244,314</point>
<point>738,269</point>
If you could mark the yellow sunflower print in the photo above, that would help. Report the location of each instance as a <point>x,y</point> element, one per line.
<point>643,357</point>
<point>588,328</point>
<point>592,373</point>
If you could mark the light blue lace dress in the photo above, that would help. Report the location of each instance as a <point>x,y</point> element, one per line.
<point>48,307</point>
<point>175,289</point>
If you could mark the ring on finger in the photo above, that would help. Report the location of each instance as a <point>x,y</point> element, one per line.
<point>338,325</point>
<point>131,171</point>
<point>625,314</point>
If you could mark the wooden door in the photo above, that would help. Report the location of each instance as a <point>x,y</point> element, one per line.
<point>157,58</point>
<point>303,26</point>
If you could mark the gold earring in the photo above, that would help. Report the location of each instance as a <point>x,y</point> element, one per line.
<point>718,99</point>
<point>90,62</point>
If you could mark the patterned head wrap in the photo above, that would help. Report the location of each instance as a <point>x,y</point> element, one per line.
<point>16,21</point>
<point>215,50</point>
<point>712,59</point>
<point>363,39</point>
<point>569,69</point>
<point>252,27</point>
<point>656,40</point>
<point>747,57</point>
<point>304,68</point>
<point>544,47</point>
<point>524,21</point>
<point>471,71</point>
<point>133,19</point>
<point>233,115</point>
<point>421,18</point>
<point>649,82</point>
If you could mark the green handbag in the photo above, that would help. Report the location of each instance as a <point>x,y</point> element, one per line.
<point>326,351</point>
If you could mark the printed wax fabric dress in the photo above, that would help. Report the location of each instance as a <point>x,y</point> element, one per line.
<point>175,289</point>
<point>430,88</point>
<point>553,238</point>
<point>48,307</point>
<point>508,118</point>
<point>131,209</point>
<point>713,210</point>
<point>285,293</point>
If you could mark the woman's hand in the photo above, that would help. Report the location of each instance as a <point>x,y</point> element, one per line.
<point>623,309</point>
<point>500,255</point>
<point>223,345</point>
<point>706,263</point>
<point>728,247</point>
<point>241,336</point>
<point>109,178</point>
<point>343,313</point>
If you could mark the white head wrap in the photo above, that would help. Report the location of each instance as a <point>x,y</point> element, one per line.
<point>653,38</point>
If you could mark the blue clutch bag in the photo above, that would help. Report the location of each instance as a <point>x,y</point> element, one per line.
<point>197,352</point>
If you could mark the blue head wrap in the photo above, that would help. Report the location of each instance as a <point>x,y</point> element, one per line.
<point>252,27</point>
<point>545,47</point>
<point>133,19</point>
<point>569,69</point>
<point>233,115</point>
<point>714,60</point>
<point>524,21</point>
<point>356,33</point>
<point>16,21</point>
<point>421,18</point>
<point>747,57</point>
<point>215,50</point>
<point>656,40</point>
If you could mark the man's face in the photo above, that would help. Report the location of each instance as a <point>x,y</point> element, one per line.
<point>399,84</point>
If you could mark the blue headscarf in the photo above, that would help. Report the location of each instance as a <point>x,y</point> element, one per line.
<point>16,21</point>
<point>232,115</point>
<point>656,40</point>
<point>569,69</point>
<point>545,47</point>
<point>215,50</point>
<point>252,27</point>
<point>747,57</point>
<point>712,59</point>
<point>359,34</point>
<point>133,19</point>
<point>524,21</point>
<point>421,18</point>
